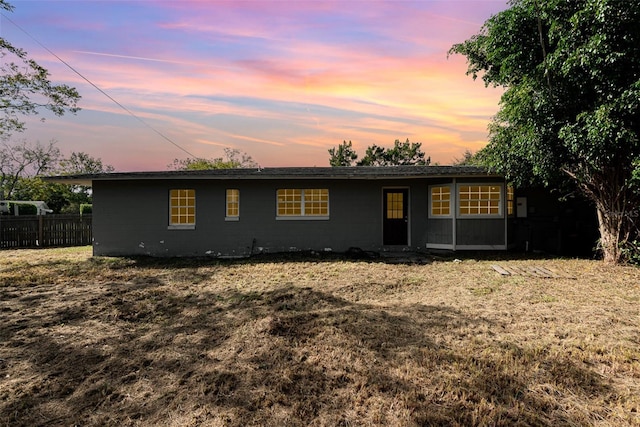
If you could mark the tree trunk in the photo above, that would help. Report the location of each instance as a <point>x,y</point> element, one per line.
<point>615,205</point>
<point>610,225</point>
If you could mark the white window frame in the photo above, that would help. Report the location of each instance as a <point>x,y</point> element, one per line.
<point>228,217</point>
<point>303,202</point>
<point>501,200</point>
<point>452,203</point>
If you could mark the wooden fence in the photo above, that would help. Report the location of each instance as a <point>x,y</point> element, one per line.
<point>33,231</point>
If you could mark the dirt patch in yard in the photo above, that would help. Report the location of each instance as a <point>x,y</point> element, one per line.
<point>323,342</point>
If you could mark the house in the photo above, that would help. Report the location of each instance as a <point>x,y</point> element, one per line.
<point>240,212</point>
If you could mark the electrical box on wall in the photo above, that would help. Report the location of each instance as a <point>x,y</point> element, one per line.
<point>521,207</point>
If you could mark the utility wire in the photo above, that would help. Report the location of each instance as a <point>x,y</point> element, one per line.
<point>131,113</point>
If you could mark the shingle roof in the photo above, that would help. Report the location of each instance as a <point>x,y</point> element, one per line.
<point>356,172</point>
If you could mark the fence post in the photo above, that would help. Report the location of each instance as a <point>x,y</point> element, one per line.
<point>38,230</point>
<point>40,241</point>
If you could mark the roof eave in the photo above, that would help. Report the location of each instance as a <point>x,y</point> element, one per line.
<point>344,173</point>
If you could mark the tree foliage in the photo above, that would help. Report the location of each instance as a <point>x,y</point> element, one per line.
<point>77,195</point>
<point>343,155</point>
<point>21,160</point>
<point>25,88</point>
<point>571,71</point>
<point>23,164</point>
<point>401,154</point>
<point>82,163</point>
<point>234,158</point>
<point>58,197</point>
<point>468,159</point>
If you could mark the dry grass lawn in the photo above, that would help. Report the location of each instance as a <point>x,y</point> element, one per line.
<point>314,342</point>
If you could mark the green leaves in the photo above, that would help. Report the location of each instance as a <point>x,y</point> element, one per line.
<point>580,102</point>
<point>402,153</point>
<point>572,101</point>
<point>25,88</point>
<point>342,155</point>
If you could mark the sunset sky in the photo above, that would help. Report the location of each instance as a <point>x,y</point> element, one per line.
<point>283,81</point>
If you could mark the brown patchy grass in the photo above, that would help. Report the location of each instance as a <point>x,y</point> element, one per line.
<point>314,342</point>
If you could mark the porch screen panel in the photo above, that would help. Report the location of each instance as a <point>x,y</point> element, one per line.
<point>479,199</point>
<point>440,201</point>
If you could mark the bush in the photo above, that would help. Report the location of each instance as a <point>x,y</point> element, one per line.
<point>23,209</point>
<point>631,252</point>
<point>86,208</point>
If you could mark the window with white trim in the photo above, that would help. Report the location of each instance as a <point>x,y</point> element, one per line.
<point>182,208</point>
<point>479,200</point>
<point>232,204</point>
<point>510,200</point>
<point>440,201</point>
<point>305,203</point>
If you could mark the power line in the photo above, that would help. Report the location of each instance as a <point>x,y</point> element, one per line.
<point>131,113</point>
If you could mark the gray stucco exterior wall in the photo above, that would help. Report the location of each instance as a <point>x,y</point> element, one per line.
<point>440,231</point>
<point>480,232</point>
<point>131,217</point>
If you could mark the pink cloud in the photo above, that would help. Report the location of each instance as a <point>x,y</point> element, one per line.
<point>303,85</point>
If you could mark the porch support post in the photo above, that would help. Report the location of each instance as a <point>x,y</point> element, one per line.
<point>454,217</point>
<point>40,230</point>
<point>505,210</point>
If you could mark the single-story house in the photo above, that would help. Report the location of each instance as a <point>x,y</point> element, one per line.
<point>242,212</point>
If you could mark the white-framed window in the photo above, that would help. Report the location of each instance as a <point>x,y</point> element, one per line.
<point>440,201</point>
<point>232,204</point>
<point>182,208</point>
<point>510,200</point>
<point>297,203</point>
<point>480,200</point>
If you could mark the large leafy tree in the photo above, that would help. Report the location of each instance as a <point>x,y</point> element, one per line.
<point>401,154</point>
<point>23,159</point>
<point>73,196</point>
<point>23,164</point>
<point>570,110</point>
<point>79,162</point>
<point>25,88</point>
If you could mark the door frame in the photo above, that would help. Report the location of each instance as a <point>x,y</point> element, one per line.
<point>407,205</point>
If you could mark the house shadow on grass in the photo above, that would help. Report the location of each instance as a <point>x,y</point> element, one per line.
<point>387,257</point>
<point>153,355</point>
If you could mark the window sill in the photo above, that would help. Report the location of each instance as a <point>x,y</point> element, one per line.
<point>302,218</point>
<point>232,218</point>
<point>182,227</point>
